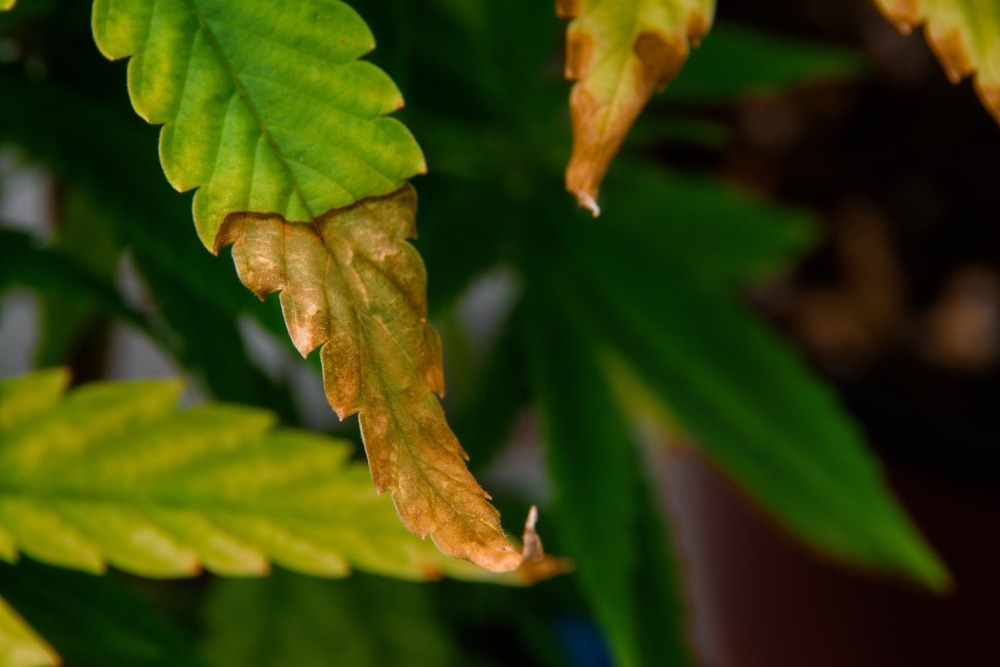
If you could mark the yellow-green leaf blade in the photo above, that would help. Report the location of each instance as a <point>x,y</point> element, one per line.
<point>7,4</point>
<point>354,285</point>
<point>22,400</point>
<point>965,34</point>
<point>107,476</point>
<point>20,646</point>
<point>619,52</point>
<point>266,107</point>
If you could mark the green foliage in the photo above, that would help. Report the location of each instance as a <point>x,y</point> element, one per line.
<point>94,620</point>
<point>601,505</point>
<point>287,619</point>
<point>114,474</point>
<point>727,380</point>
<point>268,111</point>
<point>286,121</point>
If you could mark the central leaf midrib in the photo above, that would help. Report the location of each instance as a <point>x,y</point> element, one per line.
<point>254,112</point>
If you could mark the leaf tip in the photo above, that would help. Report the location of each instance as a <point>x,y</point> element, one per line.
<point>532,551</point>
<point>587,201</point>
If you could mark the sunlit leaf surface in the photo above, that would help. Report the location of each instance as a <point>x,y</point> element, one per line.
<point>266,106</point>
<point>114,474</point>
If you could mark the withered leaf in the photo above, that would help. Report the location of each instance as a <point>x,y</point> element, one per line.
<point>619,52</point>
<point>964,34</point>
<point>352,283</point>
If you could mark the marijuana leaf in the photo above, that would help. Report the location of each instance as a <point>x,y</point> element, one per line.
<point>287,619</point>
<point>270,114</point>
<point>114,474</point>
<point>752,406</point>
<point>353,284</point>
<point>629,575</point>
<point>963,33</point>
<point>619,52</point>
<point>266,107</point>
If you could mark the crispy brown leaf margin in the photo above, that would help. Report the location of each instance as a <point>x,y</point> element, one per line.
<point>353,285</point>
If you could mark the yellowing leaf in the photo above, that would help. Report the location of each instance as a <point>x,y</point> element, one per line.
<point>114,474</point>
<point>266,106</point>
<point>965,34</point>
<point>619,52</point>
<point>20,646</point>
<point>7,4</point>
<point>269,113</point>
<point>352,284</point>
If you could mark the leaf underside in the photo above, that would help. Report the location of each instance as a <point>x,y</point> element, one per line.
<point>269,113</point>
<point>963,34</point>
<point>114,474</point>
<point>619,52</point>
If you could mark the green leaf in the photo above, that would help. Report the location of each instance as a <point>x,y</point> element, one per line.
<point>114,474</point>
<point>601,506</point>
<point>287,619</point>
<point>719,233</point>
<point>739,61</point>
<point>619,52</point>
<point>750,404</point>
<point>965,34</point>
<point>19,645</point>
<point>489,412</point>
<point>93,620</point>
<point>266,107</point>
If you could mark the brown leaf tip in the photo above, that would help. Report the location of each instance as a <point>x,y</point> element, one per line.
<point>587,201</point>
<point>532,551</point>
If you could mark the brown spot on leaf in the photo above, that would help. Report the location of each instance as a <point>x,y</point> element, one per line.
<point>660,58</point>
<point>567,9</point>
<point>579,52</point>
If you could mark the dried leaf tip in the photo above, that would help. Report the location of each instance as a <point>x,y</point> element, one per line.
<point>585,200</point>
<point>532,551</point>
<point>619,53</point>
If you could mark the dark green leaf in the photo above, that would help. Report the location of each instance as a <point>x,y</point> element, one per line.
<point>93,621</point>
<point>736,61</point>
<point>287,620</point>
<point>601,506</point>
<point>750,404</point>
